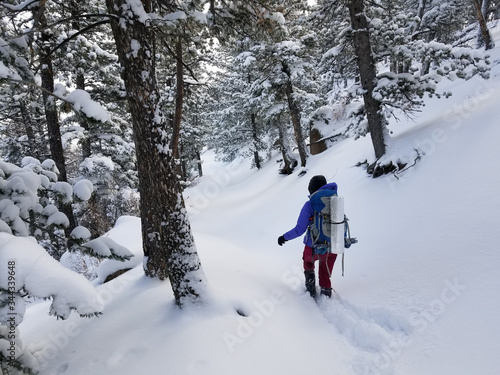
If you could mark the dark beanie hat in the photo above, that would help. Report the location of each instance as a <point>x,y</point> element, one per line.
<point>316,182</point>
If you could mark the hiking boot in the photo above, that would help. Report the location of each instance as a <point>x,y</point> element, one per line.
<point>327,292</point>
<point>310,282</point>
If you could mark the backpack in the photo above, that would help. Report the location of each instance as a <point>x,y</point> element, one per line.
<point>320,228</point>
<point>329,231</point>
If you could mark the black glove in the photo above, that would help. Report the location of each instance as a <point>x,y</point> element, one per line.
<point>281,240</point>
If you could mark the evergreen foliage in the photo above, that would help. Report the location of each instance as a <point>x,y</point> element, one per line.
<point>413,47</point>
<point>250,71</point>
<point>247,79</point>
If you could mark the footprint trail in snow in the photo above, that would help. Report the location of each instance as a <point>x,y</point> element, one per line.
<point>377,335</point>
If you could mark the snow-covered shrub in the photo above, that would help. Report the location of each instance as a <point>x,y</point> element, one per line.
<point>29,199</point>
<point>113,195</point>
<point>28,202</point>
<point>29,218</point>
<point>27,270</point>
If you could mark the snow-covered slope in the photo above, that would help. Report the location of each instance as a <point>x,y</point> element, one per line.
<point>421,292</point>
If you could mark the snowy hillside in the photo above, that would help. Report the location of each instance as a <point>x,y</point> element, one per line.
<point>421,292</point>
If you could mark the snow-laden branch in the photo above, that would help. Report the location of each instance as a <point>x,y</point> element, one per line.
<point>40,275</point>
<point>79,100</point>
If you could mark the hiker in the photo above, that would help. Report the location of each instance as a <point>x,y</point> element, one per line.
<point>326,260</point>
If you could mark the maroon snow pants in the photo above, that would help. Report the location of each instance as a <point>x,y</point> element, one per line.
<point>326,262</point>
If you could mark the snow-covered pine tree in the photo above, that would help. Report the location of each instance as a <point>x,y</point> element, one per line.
<point>270,81</point>
<point>21,126</point>
<point>277,71</point>
<point>394,35</point>
<point>79,52</point>
<point>169,247</point>
<point>400,61</point>
<point>442,21</point>
<point>238,128</point>
<point>283,66</point>
<point>194,128</point>
<point>183,47</point>
<point>43,44</point>
<point>101,151</point>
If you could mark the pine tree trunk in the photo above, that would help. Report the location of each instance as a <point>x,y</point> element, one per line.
<point>367,72</point>
<point>421,11</point>
<point>485,33</point>
<point>295,116</point>
<point>199,163</point>
<point>255,138</point>
<point>179,98</point>
<point>33,140</point>
<point>52,117</point>
<point>289,162</point>
<point>168,243</point>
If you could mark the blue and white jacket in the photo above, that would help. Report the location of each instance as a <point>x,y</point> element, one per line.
<point>305,217</point>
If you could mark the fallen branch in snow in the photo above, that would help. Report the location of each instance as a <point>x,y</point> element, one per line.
<point>397,172</point>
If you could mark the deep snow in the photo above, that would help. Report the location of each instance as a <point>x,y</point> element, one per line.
<point>421,288</point>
